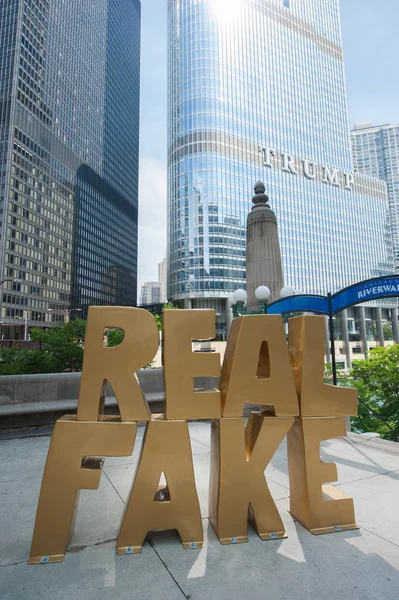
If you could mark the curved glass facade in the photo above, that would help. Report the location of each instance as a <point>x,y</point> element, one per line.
<point>257,91</point>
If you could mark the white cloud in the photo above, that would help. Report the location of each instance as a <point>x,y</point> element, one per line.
<point>152,219</point>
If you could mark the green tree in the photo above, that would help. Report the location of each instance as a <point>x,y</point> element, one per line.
<point>77,327</point>
<point>388,334</point>
<point>158,320</point>
<point>60,352</point>
<point>24,362</point>
<point>115,337</point>
<point>377,381</point>
<point>386,330</point>
<point>169,306</point>
<point>343,378</point>
<point>166,306</point>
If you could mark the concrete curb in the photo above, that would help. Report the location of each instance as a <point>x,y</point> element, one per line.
<point>34,400</point>
<point>385,446</point>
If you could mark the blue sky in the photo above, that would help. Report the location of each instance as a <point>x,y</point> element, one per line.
<point>371,45</point>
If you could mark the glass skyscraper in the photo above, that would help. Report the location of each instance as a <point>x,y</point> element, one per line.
<point>257,91</point>
<point>376,152</point>
<point>69,137</point>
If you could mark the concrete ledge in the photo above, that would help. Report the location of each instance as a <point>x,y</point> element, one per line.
<point>385,446</point>
<point>30,400</point>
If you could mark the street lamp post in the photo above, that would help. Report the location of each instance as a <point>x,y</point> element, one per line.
<point>238,299</point>
<point>14,280</point>
<point>332,339</point>
<point>240,296</point>
<point>25,313</point>
<point>262,294</point>
<point>287,291</point>
<point>64,311</point>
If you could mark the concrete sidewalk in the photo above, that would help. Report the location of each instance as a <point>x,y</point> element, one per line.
<point>360,564</point>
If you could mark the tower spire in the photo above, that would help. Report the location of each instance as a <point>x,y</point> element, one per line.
<point>264,265</point>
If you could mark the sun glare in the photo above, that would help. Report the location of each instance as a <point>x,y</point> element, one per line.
<point>226,10</point>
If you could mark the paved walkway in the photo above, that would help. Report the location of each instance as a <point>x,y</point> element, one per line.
<point>361,564</point>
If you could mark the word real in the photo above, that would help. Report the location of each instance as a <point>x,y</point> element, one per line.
<point>285,383</point>
<point>309,168</point>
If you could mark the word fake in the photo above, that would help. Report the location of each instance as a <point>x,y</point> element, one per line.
<point>283,381</point>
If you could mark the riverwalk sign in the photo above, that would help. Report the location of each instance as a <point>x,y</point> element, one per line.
<point>284,381</point>
<point>364,291</point>
<point>358,293</point>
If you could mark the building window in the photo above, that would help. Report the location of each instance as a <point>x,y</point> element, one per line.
<point>286,3</point>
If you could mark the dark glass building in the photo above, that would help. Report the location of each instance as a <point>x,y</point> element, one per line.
<point>69,141</point>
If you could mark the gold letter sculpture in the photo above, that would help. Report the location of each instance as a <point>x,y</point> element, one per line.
<point>238,490</point>
<point>306,346</point>
<point>117,365</point>
<point>320,508</point>
<point>256,367</point>
<point>77,443</point>
<point>256,370</point>
<point>166,449</point>
<point>182,365</point>
<point>68,469</point>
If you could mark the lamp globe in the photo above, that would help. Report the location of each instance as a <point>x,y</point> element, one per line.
<point>262,293</point>
<point>232,300</point>
<point>240,295</point>
<point>287,291</point>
